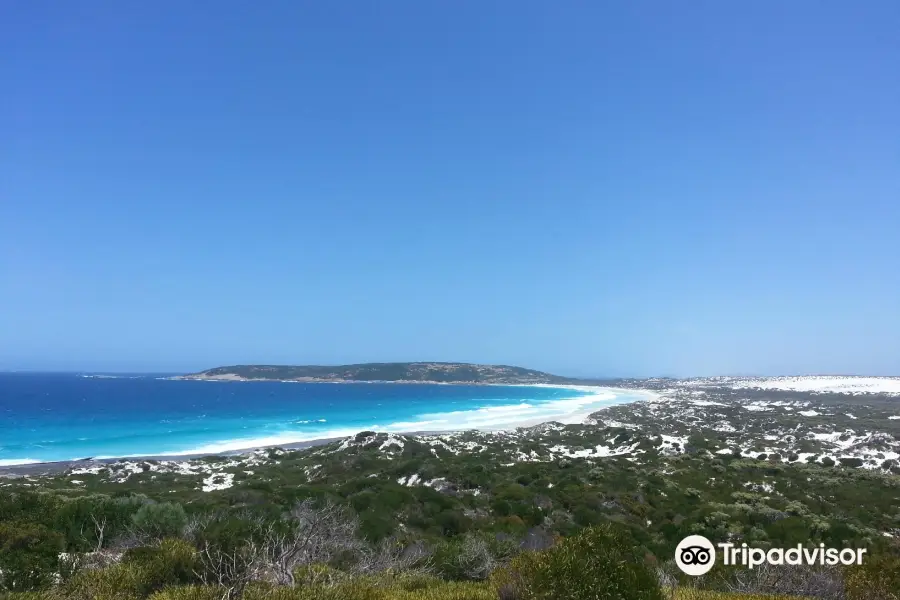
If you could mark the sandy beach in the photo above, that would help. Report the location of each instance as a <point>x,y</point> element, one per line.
<point>600,398</point>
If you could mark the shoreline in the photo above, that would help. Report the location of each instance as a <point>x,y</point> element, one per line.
<point>230,377</point>
<point>49,468</point>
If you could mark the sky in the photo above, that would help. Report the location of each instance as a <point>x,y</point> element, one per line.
<point>639,188</point>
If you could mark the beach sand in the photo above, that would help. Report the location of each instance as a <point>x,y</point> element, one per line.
<point>39,469</point>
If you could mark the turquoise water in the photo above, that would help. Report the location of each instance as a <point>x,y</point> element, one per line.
<point>49,417</point>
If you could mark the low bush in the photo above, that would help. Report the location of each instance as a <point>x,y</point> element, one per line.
<point>371,588</point>
<point>598,563</point>
<point>695,594</point>
<point>172,562</point>
<point>318,574</point>
<point>452,590</point>
<point>29,555</point>
<point>878,578</point>
<point>160,520</point>
<point>471,557</point>
<point>118,582</point>
<point>191,592</point>
<point>357,589</point>
<point>45,595</point>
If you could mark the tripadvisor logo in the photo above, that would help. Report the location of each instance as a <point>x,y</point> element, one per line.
<point>696,555</point>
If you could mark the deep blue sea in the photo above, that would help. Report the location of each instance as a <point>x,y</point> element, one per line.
<point>50,417</point>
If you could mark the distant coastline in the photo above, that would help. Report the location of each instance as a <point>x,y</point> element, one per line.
<point>238,378</point>
<point>39,469</point>
<point>47,468</point>
<point>568,411</point>
<point>434,373</point>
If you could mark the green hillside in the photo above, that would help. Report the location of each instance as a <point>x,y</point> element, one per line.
<point>444,372</point>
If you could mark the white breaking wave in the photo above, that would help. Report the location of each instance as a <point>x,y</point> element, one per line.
<point>565,410</point>
<point>281,439</point>
<point>489,418</point>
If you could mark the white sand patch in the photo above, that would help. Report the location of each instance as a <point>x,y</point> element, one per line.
<point>760,487</point>
<point>532,456</point>
<point>613,423</point>
<point>672,444</point>
<point>122,470</point>
<point>706,403</point>
<point>437,443</point>
<point>599,451</point>
<point>603,451</point>
<point>218,481</point>
<point>824,384</point>
<point>762,405</point>
<point>876,460</point>
<point>409,480</point>
<point>87,470</point>
<point>835,438</point>
<point>802,457</point>
<point>472,446</point>
<point>724,426</point>
<point>392,440</point>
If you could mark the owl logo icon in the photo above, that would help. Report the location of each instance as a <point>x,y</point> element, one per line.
<point>695,555</point>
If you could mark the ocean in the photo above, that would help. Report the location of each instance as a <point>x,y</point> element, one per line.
<point>54,417</point>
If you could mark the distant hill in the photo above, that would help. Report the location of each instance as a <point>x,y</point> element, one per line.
<point>441,372</point>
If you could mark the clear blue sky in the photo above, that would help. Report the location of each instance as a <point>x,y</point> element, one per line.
<point>591,188</point>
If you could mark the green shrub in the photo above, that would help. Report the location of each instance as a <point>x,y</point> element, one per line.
<point>118,582</point>
<point>357,589</point>
<point>191,592</point>
<point>36,506</point>
<point>88,521</point>
<point>448,590</point>
<point>471,557</point>
<point>227,532</point>
<point>29,556</point>
<point>161,520</point>
<point>317,574</point>
<point>43,595</point>
<point>172,562</point>
<point>878,578</point>
<point>598,563</point>
<point>414,582</point>
<point>690,593</point>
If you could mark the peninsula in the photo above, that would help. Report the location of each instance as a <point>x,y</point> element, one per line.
<point>397,372</point>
